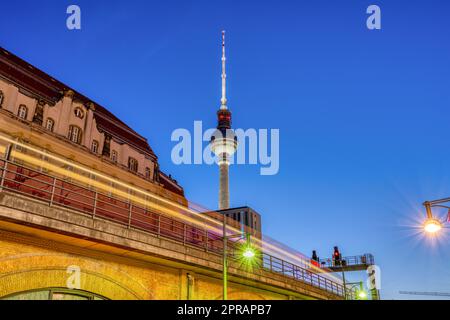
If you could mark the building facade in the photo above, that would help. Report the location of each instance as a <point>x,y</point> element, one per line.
<point>37,108</point>
<point>246,217</point>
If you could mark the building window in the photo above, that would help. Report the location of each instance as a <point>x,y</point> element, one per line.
<point>67,176</point>
<point>74,134</point>
<point>79,113</point>
<point>50,124</point>
<point>132,164</point>
<point>23,112</point>
<point>92,179</point>
<point>147,172</point>
<point>94,147</point>
<point>114,156</point>
<point>45,160</point>
<point>20,149</point>
<point>1,98</point>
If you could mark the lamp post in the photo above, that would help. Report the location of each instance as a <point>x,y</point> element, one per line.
<point>433,225</point>
<point>225,260</point>
<point>248,253</point>
<point>344,283</point>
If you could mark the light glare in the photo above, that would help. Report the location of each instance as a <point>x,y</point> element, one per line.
<point>249,253</point>
<point>362,295</point>
<point>432,225</point>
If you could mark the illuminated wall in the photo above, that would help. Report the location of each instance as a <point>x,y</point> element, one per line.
<point>30,264</point>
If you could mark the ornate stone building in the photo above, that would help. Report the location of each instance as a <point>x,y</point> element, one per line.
<point>59,118</point>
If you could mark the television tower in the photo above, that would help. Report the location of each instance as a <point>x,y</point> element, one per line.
<point>224,141</point>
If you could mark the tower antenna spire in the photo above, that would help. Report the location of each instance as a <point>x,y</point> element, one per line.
<point>224,75</point>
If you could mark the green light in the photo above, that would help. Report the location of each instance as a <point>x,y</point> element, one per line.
<point>249,253</point>
<point>362,295</point>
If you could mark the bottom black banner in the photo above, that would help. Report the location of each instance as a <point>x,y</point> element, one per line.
<point>236,310</point>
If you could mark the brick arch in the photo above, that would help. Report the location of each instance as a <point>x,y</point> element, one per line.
<point>26,272</point>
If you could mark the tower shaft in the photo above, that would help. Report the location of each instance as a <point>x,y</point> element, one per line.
<point>224,193</point>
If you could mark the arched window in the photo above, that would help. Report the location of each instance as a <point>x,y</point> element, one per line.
<point>79,113</point>
<point>147,172</point>
<point>1,98</point>
<point>23,112</point>
<point>94,147</point>
<point>74,134</point>
<point>50,124</point>
<point>114,156</point>
<point>132,164</point>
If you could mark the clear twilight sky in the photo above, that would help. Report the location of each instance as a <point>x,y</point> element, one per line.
<point>363,115</point>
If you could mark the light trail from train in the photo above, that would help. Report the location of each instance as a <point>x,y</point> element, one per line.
<point>186,214</point>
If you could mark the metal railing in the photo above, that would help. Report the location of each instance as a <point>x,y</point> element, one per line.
<point>62,192</point>
<point>362,260</point>
<point>288,269</point>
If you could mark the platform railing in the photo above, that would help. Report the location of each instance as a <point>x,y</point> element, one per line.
<point>361,260</point>
<point>62,192</point>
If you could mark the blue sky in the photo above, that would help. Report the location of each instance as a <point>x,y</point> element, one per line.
<point>362,114</point>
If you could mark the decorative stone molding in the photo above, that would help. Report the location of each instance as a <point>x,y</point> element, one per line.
<point>69,94</point>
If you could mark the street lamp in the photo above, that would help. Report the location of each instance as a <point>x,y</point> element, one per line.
<point>357,287</point>
<point>248,253</point>
<point>433,225</point>
<point>362,295</point>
